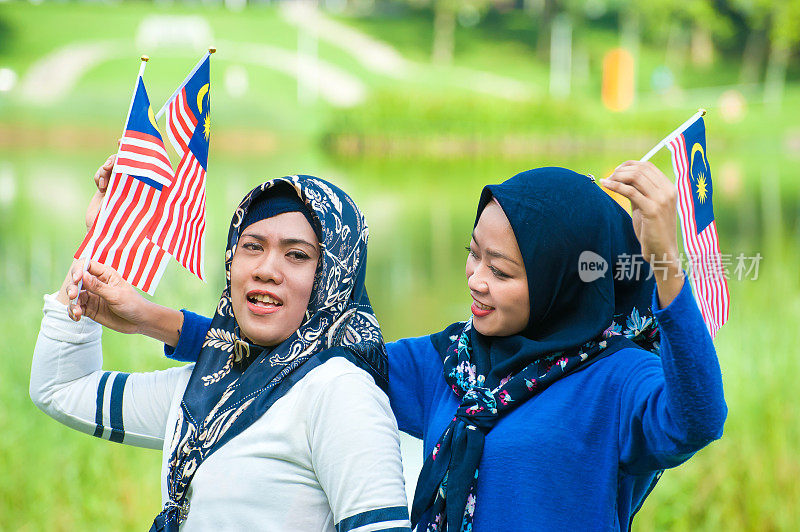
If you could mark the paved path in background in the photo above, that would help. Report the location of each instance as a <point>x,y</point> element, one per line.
<point>332,83</point>
<point>381,58</point>
<point>51,78</point>
<point>54,76</point>
<point>373,54</point>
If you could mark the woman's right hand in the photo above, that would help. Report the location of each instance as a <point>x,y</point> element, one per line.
<point>111,301</point>
<point>106,298</point>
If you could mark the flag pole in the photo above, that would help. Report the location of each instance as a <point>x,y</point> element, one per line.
<point>668,138</point>
<point>163,109</point>
<point>103,214</point>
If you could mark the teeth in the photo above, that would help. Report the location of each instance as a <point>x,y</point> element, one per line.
<point>264,298</point>
<point>482,306</point>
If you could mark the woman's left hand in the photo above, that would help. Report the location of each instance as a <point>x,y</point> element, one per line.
<point>653,199</point>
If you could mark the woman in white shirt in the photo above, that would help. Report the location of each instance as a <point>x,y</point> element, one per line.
<point>281,424</point>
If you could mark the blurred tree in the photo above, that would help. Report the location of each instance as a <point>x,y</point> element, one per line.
<point>445,15</point>
<point>779,20</point>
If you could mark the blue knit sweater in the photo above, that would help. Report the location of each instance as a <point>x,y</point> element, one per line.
<point>584,453</point>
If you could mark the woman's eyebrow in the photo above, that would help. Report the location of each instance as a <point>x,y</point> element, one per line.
<point>282,241</point>
<point>494,253</point>
<point>294,241</point>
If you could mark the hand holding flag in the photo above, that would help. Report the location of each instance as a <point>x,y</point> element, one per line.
<point>653,198</point>
<point>118,237</point>
<point>695,211</point>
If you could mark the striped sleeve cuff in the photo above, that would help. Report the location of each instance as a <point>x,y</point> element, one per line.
<point>108,410</point>
<point>390,519</point>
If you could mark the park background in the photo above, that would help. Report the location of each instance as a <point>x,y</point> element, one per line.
<point>411,106</point>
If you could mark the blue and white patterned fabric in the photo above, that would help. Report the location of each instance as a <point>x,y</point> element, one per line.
<point>234,381</point>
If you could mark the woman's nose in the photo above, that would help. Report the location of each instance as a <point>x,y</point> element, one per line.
<point>268,269</point>
<point>476,280</point>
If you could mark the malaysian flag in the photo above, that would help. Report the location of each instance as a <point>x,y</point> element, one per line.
<point>179,225</point>
<point>118,237</point>
<point>696,213</point>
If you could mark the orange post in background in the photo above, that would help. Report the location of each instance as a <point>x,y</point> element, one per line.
<point>618,82</point>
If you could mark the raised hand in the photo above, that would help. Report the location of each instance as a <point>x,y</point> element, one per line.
<point>653,199</point>
<point>110,300</point>
<point>106,298</point>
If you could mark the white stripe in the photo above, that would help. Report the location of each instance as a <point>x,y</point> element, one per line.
<point>174,214</point>
<point>129,231</point>
<point>142,247</point>
<point>159,272</point>
<point>165,225</point>
<point>196,228</point>
<point>144,172</point>
<point>383,525</point>
<point>188,124</point>
<point>686,217</point>
<point>144,144</point>
<point>193,210</point>
<point>107,404</point>
<point>121,204</point>
<point>189,205</point>
<point>150,146</point>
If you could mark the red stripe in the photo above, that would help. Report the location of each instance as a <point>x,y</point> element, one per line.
<point>143,136</point>
<point>142,263</point>
<point>187,206</point>
<point>687,220</point>
<point>87,238</point>
<point>151,274</point>
<point>141,165</point>
<point>115,217</point>
<point>191,207</point>
<point>133,231</point>
<point>179,201</point>
<point>116,190</point>
<point>195,239</point>
<point>157,152</point>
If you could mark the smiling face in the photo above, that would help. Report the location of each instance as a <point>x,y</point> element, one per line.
<point>496,276</point>
<point>272,276</point>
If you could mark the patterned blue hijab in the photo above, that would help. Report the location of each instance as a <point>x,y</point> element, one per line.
<point>561,220</point>
<point>234,381</point>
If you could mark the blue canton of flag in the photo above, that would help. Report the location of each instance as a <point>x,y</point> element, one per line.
<point>142,154</point>
<point>700,174</point>
<point>199,98</point>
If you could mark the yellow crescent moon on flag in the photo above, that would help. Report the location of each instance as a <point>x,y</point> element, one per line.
<point>696,148</point>
<point>202,92</point>
<point>152,117</point>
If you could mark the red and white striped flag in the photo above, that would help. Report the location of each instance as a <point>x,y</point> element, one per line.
<point>118,237</point>
<point>696,214</point>
<point>179,224</point>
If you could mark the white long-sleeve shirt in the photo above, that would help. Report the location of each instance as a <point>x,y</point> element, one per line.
<point>324,457</point>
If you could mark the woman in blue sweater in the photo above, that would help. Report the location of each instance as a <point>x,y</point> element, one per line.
<point>574,383</point>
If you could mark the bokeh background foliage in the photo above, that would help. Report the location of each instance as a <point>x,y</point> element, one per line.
<point>411,106</point>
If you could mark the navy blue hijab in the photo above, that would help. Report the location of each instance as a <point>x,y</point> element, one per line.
<point>578,314</point>
<point>234,381</point>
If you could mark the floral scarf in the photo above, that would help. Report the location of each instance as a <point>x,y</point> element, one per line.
<point>234,381</point>
<point>557,216</point>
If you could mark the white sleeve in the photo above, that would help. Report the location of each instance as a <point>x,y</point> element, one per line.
<point>69,385</point>
<point>355,452</point>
